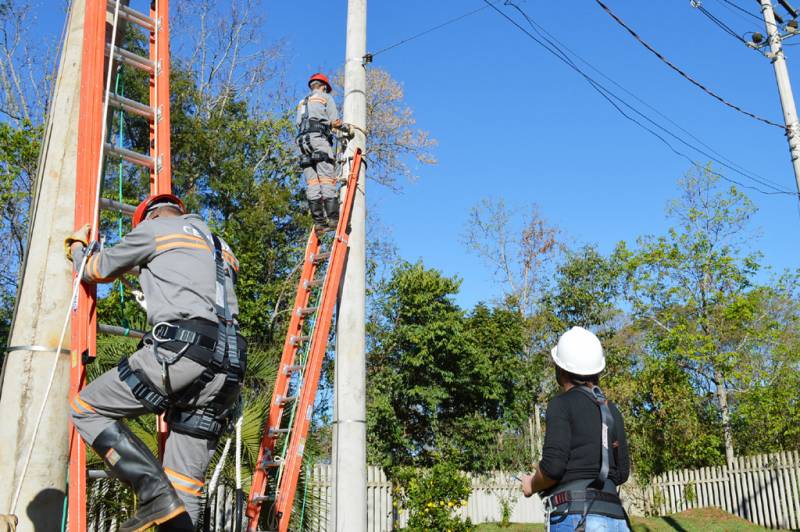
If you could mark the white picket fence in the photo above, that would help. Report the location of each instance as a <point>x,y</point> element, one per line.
<point>484,503</point>
<point>764,489</point>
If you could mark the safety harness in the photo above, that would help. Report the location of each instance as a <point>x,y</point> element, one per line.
<point>594,491</point>
<point>308,126</point>
<point>217,347</point>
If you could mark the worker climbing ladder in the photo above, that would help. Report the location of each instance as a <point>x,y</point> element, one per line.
<point>275,479</point>
<point>103,30</point>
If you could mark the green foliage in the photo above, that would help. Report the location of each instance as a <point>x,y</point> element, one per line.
<point>433,497</point>
<point>441,382</point>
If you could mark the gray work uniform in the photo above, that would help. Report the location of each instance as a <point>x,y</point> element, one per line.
<point>320,176</point>
<point>178,278</point>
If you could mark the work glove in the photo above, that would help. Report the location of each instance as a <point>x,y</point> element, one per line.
<point>81,235</point>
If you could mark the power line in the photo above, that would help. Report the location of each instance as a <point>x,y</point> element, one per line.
<point>429,30</point>
<point>549,37</point>
<point>722,25</point>
<point>608,95</point>
<point>682,73</point>
<point>739,9</point>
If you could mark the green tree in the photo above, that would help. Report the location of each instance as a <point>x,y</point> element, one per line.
<point>442,383</point>
<point>693,293</point>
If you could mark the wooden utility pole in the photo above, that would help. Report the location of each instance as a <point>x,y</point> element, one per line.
<point>350,410</point>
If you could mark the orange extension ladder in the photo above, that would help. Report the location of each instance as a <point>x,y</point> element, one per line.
<point>299,371</point>
<point>99,57</point>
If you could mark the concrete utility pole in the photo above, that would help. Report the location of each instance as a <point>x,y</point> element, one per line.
<point>350,409</point>
<point>42,299</point>
<point>784,87</point>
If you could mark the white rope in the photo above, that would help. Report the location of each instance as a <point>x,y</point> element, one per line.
<point>76,284</point>
<point>212,486</point>
<point>96,221</point>
<point>239,453</point>
<point>72,301</point>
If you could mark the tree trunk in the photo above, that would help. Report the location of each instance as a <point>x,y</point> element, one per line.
<point>722,396</point>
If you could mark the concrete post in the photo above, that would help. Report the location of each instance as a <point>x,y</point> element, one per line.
<point>41,305</point>
<point>784,87</point>
<point>349,432</point>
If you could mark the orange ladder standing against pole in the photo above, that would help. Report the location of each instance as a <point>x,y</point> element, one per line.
<point>287,465</point>
<point>99,57</point>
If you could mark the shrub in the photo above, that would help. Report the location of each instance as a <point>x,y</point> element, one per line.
<point>433,498</point>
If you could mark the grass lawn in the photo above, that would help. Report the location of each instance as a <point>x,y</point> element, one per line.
<point>705,519</point>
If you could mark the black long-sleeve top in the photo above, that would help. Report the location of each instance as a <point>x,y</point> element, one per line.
<point>572,443</point>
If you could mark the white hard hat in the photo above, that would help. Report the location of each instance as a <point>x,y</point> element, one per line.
<point>579,352</point>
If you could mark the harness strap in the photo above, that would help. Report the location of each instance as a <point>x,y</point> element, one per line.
<point>587,495</point>
<point>607,425</point>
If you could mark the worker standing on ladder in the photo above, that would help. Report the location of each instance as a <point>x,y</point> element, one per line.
<point>190,365</point>
<point>316,116</point>
<point>585,453</point>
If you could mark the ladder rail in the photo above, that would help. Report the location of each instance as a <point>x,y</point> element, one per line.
<point>84,318</point>
<point>281,386</point>
<point>319,343</point>
<point>94,101</point>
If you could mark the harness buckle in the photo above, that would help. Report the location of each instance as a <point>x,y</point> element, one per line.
<point>165,329</point>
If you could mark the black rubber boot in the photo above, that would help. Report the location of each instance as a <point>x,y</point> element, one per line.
<point>129,460</point>
<point>332,212</point>
<point>182,523</point>
<point>318,215</point>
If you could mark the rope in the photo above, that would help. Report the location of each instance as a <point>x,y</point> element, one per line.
<point>212,486</point>
<point>305,495</point>
<point>682,73</point>
<point>72,301</point>
<point>77,282</point>
<point>120,138</point>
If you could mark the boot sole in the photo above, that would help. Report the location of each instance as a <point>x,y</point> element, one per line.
<point>161,519</point>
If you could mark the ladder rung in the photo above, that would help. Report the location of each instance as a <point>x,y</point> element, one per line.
<point>119,331</point>
<point>322,257</point>
<point>296,340</point>
<point>131,59</point>
<point>131,15</point>
<point>273,433</point>
<point>132,106</point>
<point>111,205</point>
<point>271,464</point>
<point>97,474</point>
<point>306,311</point>
<point>289,369</point>
<point>308,285</point>
<point>261,499</point>
<point>131,156</point>
<point>281,400</point>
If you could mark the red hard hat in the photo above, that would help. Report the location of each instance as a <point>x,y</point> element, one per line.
<point>319,76</point>
<point>150,202</point>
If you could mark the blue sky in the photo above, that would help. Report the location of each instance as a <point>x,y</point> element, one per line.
<point>515,123</point>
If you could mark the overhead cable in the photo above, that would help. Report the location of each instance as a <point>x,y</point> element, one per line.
<point>722,25</point>
<point>618,103</point>
<point>682,73</point>
<point>429,30</point>
<point>739,9</point>
<point>563,48</point>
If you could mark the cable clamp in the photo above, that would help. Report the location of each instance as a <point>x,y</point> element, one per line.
<point>37,348</point>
